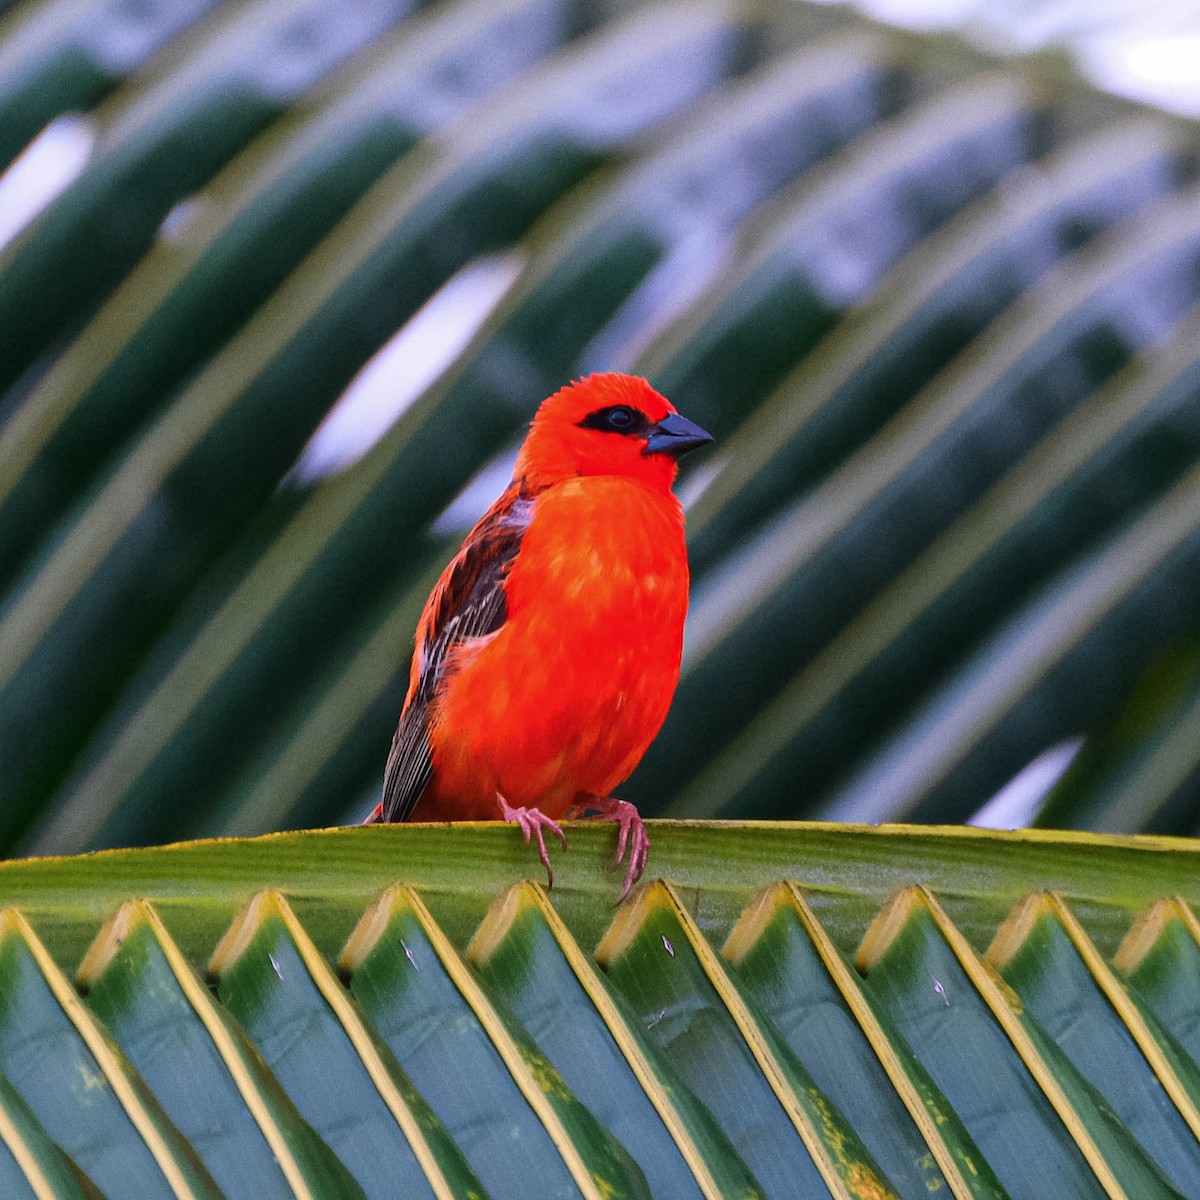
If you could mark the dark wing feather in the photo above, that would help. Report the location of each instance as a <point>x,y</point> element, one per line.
<point>468,603</point>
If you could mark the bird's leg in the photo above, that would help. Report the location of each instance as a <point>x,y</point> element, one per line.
<point>532,821</point>
<point>376,816</point>
<point>632,836</point>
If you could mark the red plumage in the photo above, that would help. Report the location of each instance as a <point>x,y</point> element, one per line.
<point>548,652</point>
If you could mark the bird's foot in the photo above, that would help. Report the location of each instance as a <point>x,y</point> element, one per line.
<point>532,822</point>
<point>376,816</point>
<point>632,836</point>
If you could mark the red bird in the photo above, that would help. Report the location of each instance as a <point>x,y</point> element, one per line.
<point>548,652</point>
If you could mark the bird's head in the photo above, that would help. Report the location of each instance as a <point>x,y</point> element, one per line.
<point>607,424</point>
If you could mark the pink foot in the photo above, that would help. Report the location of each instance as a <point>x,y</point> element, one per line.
<point>376,815</point>
<point>532,822</point>
<point>632,836</point>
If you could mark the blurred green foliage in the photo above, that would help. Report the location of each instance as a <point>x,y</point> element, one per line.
<point>939,309</point>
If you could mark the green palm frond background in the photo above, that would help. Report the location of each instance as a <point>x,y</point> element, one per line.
<point>939,309</point>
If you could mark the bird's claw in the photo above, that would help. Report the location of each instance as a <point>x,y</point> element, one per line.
<point>532,822</point>
<point>376,816</point>
<point>631,837</point>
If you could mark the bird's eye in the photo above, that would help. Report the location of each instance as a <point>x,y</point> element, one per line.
<point>620,418</point>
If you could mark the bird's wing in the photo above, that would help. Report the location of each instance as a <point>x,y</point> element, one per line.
<point>468,602</point>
